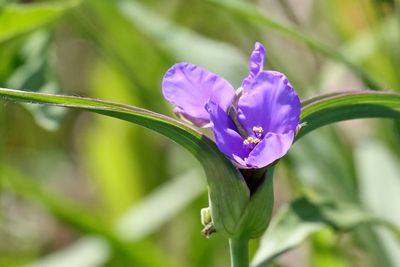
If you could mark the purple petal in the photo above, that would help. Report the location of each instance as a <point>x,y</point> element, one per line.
<point>188,87</point>
<point>226,136</point>
<point>272,147</point>
<point>270,102</point>
<point>256,63</point>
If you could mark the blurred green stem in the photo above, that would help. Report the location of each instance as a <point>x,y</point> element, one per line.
<point>239,249</point>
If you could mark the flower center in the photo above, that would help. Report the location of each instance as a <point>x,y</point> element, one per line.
<point>251,141</point>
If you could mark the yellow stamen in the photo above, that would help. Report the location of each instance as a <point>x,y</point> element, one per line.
<point>258,129</point>
<point>252,140</point>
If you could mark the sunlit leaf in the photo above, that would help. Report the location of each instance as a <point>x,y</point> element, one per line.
<point>17,19</point>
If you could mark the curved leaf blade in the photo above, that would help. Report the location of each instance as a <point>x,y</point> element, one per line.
<point>227,189</point>
<point>324,110</point>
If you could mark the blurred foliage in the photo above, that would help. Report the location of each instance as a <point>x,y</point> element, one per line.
<point>93,191</point>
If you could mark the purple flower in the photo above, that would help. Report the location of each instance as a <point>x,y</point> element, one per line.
<point>253,126</point>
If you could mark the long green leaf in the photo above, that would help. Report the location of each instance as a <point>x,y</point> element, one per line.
<point>324,110</point>
<point>254,14</point>
<point>19,19</point>
<point>228,191</point>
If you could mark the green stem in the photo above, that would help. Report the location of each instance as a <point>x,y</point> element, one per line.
<point>239,252</point>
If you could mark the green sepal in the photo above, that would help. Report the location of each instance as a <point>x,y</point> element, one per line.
<point>258,212</point>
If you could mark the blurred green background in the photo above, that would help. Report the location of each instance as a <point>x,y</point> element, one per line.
<point>78,189</point>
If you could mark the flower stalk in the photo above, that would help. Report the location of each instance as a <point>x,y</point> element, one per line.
<point>239,249</point>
